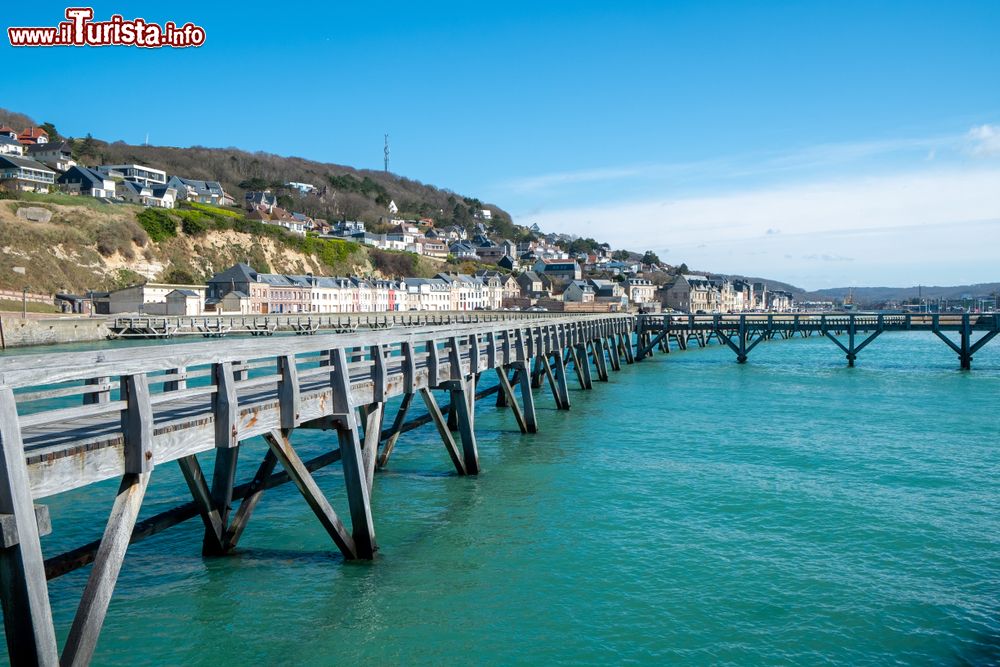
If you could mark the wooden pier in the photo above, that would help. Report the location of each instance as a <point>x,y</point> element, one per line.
<point>70,420</point>
<point>850,332</point>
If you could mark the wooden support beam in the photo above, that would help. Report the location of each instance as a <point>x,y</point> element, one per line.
<point>373,432</point>
<point>379,374</point>
<point>254,492</point>
<point>433,364</point>
<point>461,398</point>
<point>362,525</point>
<point>561,381</point>
<point>508,391</point>
<point>396,430</point>
<point>27,616</point>
<point>575,359</point>
<point>203,500</point>
<point>625,341</point>
<point>281,446</point>
<point>409,367</point>
<point>527,400</point>
<point>582,361</point>
<point>537,372</point>
<point>611,345</point>
<point>137,424</point>
<point>288,391</point>
<point>89,619</point>
<point>556,394</point>
<point>600,361</point>
<point>443,431</point>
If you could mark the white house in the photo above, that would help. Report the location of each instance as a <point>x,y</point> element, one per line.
<point>10,146</point>
<point>84,181</point>
<point>136,172</point>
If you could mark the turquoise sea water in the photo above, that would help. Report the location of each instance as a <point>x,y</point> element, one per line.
<point>690,511</point>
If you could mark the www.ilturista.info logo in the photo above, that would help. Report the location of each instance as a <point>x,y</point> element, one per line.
<point>79,29</point>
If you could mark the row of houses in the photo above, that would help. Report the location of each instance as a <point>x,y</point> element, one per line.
<point>701,294</point>
<point>241,289</point>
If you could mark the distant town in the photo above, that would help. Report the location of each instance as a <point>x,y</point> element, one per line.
<point>525,274</point>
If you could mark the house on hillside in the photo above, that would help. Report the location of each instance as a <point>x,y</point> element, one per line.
<point>509,262</point>
<point>10,145</point>
<point>89,182</point>
<point>136,172</point>
<point>431,247</point>
<point>303,188</point>
<point>609,291</point>
<point>154,196</point>
<point>25,174</point>
<point>202,192</point>
<point>579,291</point>
<point>534,286</point>
<point>463,250</point>
<point>639,290</point>
<point>559,270</point>
<point>56,155</point>
<point>263,202</point>
<point>490,254</point>
<point>32,136</point>
<point>8,132</point>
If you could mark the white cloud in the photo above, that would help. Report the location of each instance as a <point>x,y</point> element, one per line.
<point>546,181</point>
<point>984,140</point>
<point>796,160</point>
<point>891,226</point>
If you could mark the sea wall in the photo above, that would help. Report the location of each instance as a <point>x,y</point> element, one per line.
<point>18,332</point>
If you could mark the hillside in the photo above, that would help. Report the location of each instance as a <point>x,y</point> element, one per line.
<point>865,295</point>
<point>91,245</point>
<point>342,192</point>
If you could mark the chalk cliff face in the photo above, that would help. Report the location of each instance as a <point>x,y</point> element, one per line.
<point>85,244</point>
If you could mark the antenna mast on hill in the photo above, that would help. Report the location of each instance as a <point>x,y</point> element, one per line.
<point>386,151</point>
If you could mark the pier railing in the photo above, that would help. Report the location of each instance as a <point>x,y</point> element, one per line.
<point>127,326</point>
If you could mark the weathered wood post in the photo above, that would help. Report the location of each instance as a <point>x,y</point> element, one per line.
<point>462,393</point>
<point>355,480</point>
<point>410,384</point>
<point>225,408</point>
<point>137,431</point>
<point>582,362</point>
<point>965,355</point>
<point>31,637</point>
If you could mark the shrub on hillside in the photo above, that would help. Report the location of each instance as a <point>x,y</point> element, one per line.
<point>158,224</point>
<point>195,223</point>
<point>117,237</point>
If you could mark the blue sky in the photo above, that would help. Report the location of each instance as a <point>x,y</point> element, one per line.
<point>825,143</point>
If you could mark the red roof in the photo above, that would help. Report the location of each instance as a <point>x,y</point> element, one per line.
<point>7,130</point>
<point>31,135</point>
